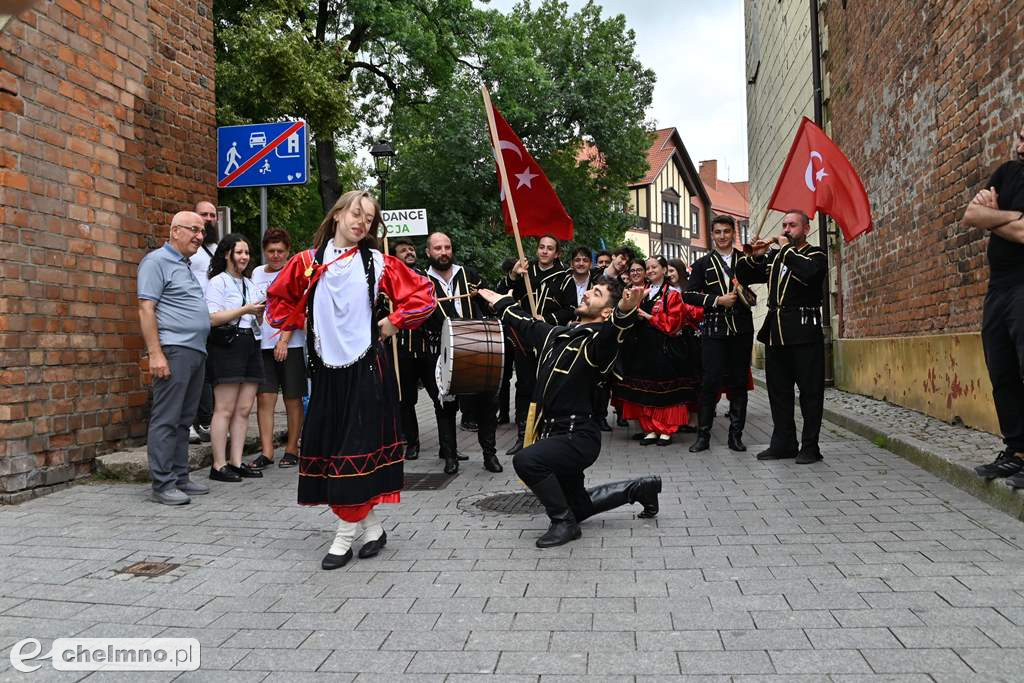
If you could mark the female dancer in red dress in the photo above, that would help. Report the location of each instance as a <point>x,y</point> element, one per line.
<point>351,454</point>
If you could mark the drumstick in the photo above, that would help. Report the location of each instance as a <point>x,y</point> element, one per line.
<point>456,296</point>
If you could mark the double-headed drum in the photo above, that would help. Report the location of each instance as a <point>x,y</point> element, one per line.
<point>472,357</point>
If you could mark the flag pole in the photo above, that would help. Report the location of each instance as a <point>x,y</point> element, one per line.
<point>493,127</point>
<point>394,337</point>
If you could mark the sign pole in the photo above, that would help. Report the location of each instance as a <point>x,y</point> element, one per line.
<point>263,212</point>
<point>508,194</point>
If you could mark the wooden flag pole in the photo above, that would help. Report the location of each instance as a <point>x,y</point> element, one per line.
<point>507,191</point>
<point>394,337</point>
<point>764,217</point>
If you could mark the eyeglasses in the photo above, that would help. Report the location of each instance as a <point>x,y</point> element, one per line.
<point>195,231</point>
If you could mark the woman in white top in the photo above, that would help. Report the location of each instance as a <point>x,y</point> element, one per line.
<point>233,363</point>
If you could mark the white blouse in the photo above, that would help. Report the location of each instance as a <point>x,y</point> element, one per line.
<point>341,308</point>
<point>224,292</point>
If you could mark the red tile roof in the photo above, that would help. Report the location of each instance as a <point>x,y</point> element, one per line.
<point>661,150</point>
<point>729,197</point>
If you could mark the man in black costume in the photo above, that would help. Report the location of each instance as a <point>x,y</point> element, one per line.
<point>452,280</point>
<point>571,359</point>
<point>728,334</point>
<point>794,344</point>
<point>415,362</point>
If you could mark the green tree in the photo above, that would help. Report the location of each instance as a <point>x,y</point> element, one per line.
<point>559,79</point>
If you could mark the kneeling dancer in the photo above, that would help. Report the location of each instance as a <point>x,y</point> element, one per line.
<point>571,360</point>
<point>351,454</point>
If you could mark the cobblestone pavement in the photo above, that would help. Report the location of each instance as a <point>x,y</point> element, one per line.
<point>861,567</point>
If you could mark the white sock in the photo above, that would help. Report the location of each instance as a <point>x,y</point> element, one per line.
<point>650,435</point>
<point>343,537</point>
<point>372,528</point>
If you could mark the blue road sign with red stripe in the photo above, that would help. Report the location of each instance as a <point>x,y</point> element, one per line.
<point>260,154</point>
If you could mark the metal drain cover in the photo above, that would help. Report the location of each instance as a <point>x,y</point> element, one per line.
<point>522,503</point>
<point>148,568</point>
<point>426,481</point>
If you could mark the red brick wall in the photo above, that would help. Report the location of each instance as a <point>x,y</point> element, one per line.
<point>925,95</point>
<point>106,128</point>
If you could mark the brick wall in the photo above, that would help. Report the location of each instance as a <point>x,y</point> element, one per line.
<point>925,95</point>
<point>106,128</point>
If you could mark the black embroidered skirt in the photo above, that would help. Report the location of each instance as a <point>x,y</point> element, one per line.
<point>352,451</point>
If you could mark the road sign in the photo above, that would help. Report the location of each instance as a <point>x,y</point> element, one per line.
<point>405,222</point>
<point>262,154</point>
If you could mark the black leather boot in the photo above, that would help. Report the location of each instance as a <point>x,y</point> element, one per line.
<point>737,420</point>
<point>447,442</point>
<point>610,496</point>
<point>520,435</point>
<point>704,419</point>
<point>563,523</point>
<point>489,447</point>
<point>412,451</point>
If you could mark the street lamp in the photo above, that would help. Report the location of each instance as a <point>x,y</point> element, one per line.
<point>382,153</point>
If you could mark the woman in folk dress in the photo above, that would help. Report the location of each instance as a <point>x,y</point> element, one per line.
<point>351,454</point>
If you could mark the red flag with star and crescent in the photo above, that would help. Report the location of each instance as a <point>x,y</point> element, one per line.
<point>538,208</point>
<point>817,176</point>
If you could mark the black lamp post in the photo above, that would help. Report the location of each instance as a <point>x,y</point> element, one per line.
<point>382,153</point>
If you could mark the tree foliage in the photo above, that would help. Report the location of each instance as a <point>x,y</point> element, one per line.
<point>412,69</point>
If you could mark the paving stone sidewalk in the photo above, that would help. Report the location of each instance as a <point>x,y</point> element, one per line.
<point>862,567</point>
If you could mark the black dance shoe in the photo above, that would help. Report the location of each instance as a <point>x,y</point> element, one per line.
<point>770,454</point>
<point>451,466</point>
<point>703,441</point>
<point>412,451</point>
<point>736,442</point>
<point>603,425</point>
<point>491,464</point>
<point>806,457</point>
<point>224,474</point>
<point>245,471</point>
<point>336,561</point>
<point>371,548</point>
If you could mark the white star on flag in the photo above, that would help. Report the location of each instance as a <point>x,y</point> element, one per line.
<point>525,178</point>
<point>820,174</point>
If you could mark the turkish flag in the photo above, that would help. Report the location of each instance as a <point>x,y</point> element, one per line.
<point>537,207</point>
<point>818,176</point>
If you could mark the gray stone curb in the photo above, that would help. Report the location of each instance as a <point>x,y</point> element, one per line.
<point>995,492</point>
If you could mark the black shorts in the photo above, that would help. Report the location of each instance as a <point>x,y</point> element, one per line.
<point>288,376</point>
<point>237,363</point>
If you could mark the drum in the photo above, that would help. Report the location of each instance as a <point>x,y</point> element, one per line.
<point>472,357</point>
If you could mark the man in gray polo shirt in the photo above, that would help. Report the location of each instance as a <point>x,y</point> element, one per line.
<point>175,323</point>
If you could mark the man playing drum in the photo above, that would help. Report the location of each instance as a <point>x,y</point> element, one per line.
<point>571,360</point>
<point>454,286</point>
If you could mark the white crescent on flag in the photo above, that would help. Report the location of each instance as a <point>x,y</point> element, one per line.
<point>809,175</point>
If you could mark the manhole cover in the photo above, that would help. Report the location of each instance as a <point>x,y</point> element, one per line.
<point>523,503</point>
<point>426,481</point>
<point>148,568</point>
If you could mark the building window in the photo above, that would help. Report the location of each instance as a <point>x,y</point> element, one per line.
<point>696,254</point>
<point>744,232</point>
<point>670,211</point>
<point>694,221</point>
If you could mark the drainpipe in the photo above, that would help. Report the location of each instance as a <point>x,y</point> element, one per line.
<point>826,302</point>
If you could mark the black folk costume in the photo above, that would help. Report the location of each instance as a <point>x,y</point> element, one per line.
<point>484,405</point>
<point>415,366</point>
<point>659,373</point>
<point>351,455</point>
<point>726,343</point>
<point>794,344</point>
<point>543,283</point>
<point>571,359</point>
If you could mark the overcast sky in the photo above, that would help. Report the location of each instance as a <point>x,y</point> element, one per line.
<point>696,50</point>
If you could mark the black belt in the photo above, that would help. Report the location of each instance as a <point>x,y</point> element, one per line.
<point>562,424</point>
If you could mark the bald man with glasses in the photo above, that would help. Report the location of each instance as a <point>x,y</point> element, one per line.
<point>175,323</point>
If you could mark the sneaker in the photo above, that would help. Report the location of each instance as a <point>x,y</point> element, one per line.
<point>1006,464</point>
<point>193,488</point>
<point>204,432</point>
<point>193,435</point>
<point>171,496</point>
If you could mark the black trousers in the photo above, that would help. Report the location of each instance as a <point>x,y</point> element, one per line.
<point>204,412</point>
<point>804,366</point>
<point>726,363</point>
<point>506,377</point>
<point>485,411</point>
<point>526,379</point>
<point>599,403</point>
<point>1002,335</point>
<point>413,370</point>
<point>566,456</point>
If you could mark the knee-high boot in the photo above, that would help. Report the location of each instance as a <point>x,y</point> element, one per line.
<point>447,441</point>
<point>563,526</point>
<point>615,494</point>
<point>704,419</point>
<point>737,420</point>
<point>520,435</point>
